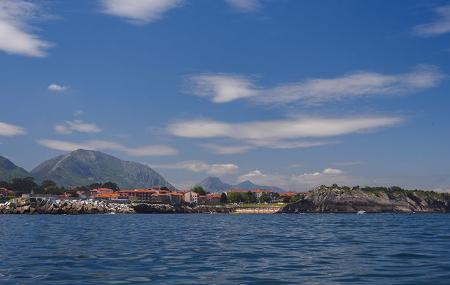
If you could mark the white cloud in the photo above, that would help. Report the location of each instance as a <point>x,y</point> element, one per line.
<point>201,166</point>
<point>149,150</point>
<point>298,182</point>
<point>278,134</point>
<point>227,149</point>
<point>15,30</point>
<point>439,26</point>
<point>9,130</point>
<point>57,88</point>
<point>332,171</point>
<point>244,5</point>
<point>274,131</point>
<point>222,88</point>
<point>139,11</point>
<point>347,163</point>
<point>76,126</point>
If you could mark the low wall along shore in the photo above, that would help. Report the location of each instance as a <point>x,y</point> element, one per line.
<point>70,207</point>
<point>77,207</point>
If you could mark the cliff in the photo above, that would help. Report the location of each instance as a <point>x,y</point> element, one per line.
<point>372,200</point>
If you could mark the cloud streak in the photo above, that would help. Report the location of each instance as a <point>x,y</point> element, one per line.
<point>70,127</point>
<point>139,11</point>
<point>298,182</point>
<point>439,26</point>
<point>57,87</point>
<point>278,134</point>
<point>9,130</point>
<point>273,131</point>
<point>223,88</point>
<point>201,166</point>
<point>15,29</point>
<point>148,150</point>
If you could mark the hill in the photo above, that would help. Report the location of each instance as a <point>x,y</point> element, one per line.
<point>83,167</point>
<point>214,184</point>
<point>369,199</point>
<point>9,170</point>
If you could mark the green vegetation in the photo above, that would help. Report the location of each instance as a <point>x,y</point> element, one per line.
<point>223,198</point>
<point>199,190</point>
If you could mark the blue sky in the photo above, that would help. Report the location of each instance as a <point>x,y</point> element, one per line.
<point>280,92</point>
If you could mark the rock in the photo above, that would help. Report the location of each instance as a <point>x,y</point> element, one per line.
<point>351,200</point>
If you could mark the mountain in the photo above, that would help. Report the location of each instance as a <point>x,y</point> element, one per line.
<point>9,170</point>
<point>214,184</point>
<point>83,167</point>
<point>250,185</point>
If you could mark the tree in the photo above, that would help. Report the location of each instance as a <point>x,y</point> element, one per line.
<point>94,186</point>
<point>223,198</point>
<point>49,187</point>
<point>24,185</point>
<point>110,185</point>
<point>199,190</point>
<point>4,184</point>
<point>265,198</point>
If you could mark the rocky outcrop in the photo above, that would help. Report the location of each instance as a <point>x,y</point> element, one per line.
<point>180,209</point>
<point>69,207</point>
<point>351,200</point>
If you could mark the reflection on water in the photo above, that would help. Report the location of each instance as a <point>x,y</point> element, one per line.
<point>225,249</point>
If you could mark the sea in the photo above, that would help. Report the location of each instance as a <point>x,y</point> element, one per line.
<point>225,249</point>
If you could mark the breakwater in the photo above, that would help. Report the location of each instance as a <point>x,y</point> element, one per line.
<point>69,207</point>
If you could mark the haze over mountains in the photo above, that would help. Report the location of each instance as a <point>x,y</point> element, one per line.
<point>214,184</point>
<point>9,170</point>
<point>84,167</point>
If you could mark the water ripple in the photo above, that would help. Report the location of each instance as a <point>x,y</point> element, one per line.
<point>225,249</point>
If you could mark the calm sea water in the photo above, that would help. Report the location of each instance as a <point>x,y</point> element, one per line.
<point>225,249</point>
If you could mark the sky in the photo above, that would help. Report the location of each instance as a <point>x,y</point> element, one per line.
<point>279,92</point>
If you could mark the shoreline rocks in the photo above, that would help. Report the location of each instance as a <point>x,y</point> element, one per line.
<point>60,207</point>
<point>351,200</point>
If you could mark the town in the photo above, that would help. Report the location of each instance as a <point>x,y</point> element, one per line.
<point>110,192</point>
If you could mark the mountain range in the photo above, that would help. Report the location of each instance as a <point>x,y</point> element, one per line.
<point>84,167</point>
<point>9,170</point>
<point>214,184</point>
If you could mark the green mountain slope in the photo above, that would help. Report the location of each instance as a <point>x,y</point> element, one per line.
<point>82,167</point>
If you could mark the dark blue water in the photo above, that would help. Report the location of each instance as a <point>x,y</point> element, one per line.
<point>225,249</point>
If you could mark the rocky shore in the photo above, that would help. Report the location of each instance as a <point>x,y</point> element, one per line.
<point>351,200</point>
<point>69,207</point>
<point>77,207</point>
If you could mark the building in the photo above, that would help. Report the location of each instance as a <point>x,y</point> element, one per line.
<point>107,196</point>
<point>6,192</point>
<point>137,194</point>
<point>95,192</point>
<point>191,197</point>
<point>213,198</point>
<point>176,197</point>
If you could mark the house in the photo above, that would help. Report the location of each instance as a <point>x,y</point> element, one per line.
<point>213,198</point>
<point>95,192</point>
<point>6,192</point>
<point>191,197</point>
<point>137,194</point>
<point>176,197</point>
<point>107,196</point>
